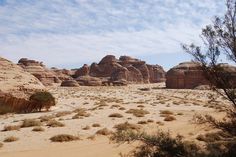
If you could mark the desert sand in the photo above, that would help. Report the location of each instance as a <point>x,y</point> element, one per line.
<point>99,103</point>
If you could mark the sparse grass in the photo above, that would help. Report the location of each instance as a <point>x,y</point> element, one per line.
<point>141,106</point>
<point>30,123</point>
<point>122,108</point>
<point>86,127</point>
<point>10,139</point>
<point>210,137</point>
<point>142,122</point>
<point>166,112</point>
<point>144,89</point>
<point>160,123</point>
<point>64,138</point>
<point>150,121</point>
<point>38,129</point>
<point>46,118</point>
<point>54,123</point>
<point>81,112</point>
<point>138,112</point>
<point>104,132</point>
<point>116,115</point>
<point>63,113</point>
<point>1,145</point>
<point>92,137</point>
<point>169,118</point>
<point>126,126</point>
<point>96,125</point>
<point>11,128</point>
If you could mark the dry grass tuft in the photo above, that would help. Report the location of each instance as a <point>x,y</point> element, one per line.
<point>1,145</point>
<point>30,123</point>
<point>104,132</point>
<point>126,126</point>
<point>38,129</point>
<point>96,125</point>
<point>64,138</point>
<point>169,118</point>
<point>11,128</point>
<point>11,139</point>
<point>54,123</point>
<point>81,112</point>
<point>138,112</point>
<point>116,115</point>
<point>86,127</point>
<point>142,122</point>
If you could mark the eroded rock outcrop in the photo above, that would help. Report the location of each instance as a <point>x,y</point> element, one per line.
<point>62,74</point>
<point>46,76</point>
<point>69,83</point>
<point>187,75</point>
<point>132,70</point>
<point>89,81</point>
<point>16,86</point>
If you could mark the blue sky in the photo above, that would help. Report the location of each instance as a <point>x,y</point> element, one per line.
<point>69,33</point>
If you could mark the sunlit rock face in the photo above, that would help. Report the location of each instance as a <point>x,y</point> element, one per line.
<point>46,76</point>
<point>125,69</point>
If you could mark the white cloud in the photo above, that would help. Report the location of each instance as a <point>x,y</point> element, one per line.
<point>81,31</point>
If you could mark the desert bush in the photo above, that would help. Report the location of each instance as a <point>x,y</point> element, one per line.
<point>166,112</point>
<point>30,123</point>
<point>86,127</point>
<point>138,112</point>
<point>63,113</point>
<point>169,118</point>
<point>142,122</point>
<point>54,123</point>
<point>10,139</point>
<point>104,132</point>
<point>38,129</point>
<point>158,145</point>
<point>96,125</point>
<point>64,138</point>
<point>46,118</point>
<point>40,100</point>
<point>116,115</point>
<point>126,126</point>
<point>1,145</point>
<point>11,127</point>
<point>80,112</point>
<point>144,89</point>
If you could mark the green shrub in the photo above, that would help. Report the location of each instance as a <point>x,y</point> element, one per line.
<point>41,100</point>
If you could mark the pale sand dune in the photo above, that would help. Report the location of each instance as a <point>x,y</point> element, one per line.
<point>187,102</point>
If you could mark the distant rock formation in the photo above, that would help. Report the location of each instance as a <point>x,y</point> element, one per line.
<point>46,76</point>
<point>62,74</point>
<point>69,83</point>
<point>122,71</point>
<point>89,81</point>
<point>189,75</point>
<point>186,75</point>
<point>16,86</point>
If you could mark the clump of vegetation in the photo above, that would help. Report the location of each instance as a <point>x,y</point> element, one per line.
<point>11,139</point>
<point>142,122</point>
<point>166,112</point>
<point>11,128</point>
<point>86,127</point>
<point>46,118</point>
<point>116,115</point>
<point>54,123</point>
<point>63,113</point>
<point>126,126</point>
<point>138,112</point>
<point>169,118</point>
<point>144,89</point>
<point>96,125</point>
<point>30,123</point>
<point>38,129</point>
<point>158,145</point>
<point>80,113</point>
<point>64,138</point>
<point>39,101</point>
<point>104,132</point>
<point>1,145</point>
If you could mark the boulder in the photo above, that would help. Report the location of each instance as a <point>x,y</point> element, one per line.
<point>89,81</point>
<point>69,83</point>
<point>83,71</point>
<point>156,73</point>
<point>17,86</point>
<point>187,75</point>
<point>46,76</point>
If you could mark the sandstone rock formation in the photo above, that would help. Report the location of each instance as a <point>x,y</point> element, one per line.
<point>187,75</point>
<point>62,74</point>
<point>16,86</point>
<point>37,69</point>
<point>69,83</point>
<point>89,81</point>
<point>125,69</point>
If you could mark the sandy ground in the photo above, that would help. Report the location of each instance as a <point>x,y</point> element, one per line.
<point>100,102</point>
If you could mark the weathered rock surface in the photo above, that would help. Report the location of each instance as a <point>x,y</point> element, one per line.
<point>125,68</point>
<point>62,74</point>
<point>16,86</point>
<point>187,75</point>
<point>69,83</point>
<point>89,81</point>
<point>46,76</point>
